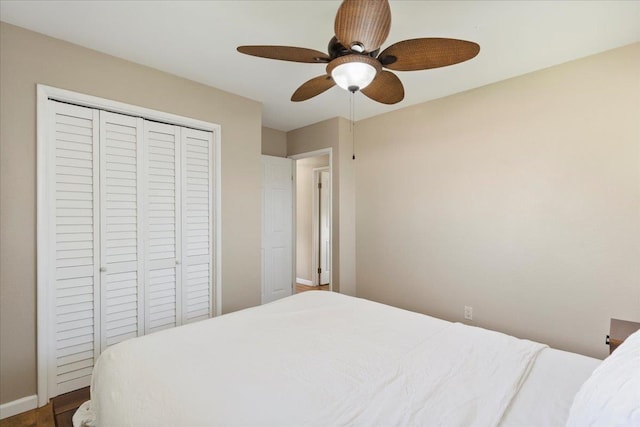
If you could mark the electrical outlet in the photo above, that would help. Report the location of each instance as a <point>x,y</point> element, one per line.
<point>468,312</point>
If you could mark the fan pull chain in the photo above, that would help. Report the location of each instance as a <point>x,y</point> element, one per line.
<point>352,118</point>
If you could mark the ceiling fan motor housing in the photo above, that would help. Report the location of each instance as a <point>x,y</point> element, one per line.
<point>336,49</point>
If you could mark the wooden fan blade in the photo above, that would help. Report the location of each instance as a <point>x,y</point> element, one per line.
<point>313,87</point>
<point>385,88</point>
<point>422,54</point>
<point>364,22</point>
<point>286,53</point>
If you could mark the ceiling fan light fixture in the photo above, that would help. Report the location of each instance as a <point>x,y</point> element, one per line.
<point>353,76</point>
<point>354,72</point>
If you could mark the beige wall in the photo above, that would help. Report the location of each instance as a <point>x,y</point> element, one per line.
<point>28,58</point>
<point>274,142</point>
<point>333,133</point>
<point>520,199</point>
<point>304,214</point>
<point>347,200</point>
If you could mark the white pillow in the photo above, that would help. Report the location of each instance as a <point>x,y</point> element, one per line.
<point>611,395</point>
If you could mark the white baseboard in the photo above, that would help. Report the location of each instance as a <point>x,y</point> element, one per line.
<point>304,281</point>
<point>19,406</point>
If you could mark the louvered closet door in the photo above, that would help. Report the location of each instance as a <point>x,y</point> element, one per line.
<point>121,221</point>
<point>74,253</point>
<point>162,212</point>
<point>197,215</point>
<point>129,233</point>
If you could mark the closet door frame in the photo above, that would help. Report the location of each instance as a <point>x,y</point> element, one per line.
<point>46,207</point>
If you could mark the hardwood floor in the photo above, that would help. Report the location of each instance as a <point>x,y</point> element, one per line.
<point>58,413</point>
<point>41,417</point>
<point>304,288</point>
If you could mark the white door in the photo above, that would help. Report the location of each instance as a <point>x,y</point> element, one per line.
<point>121,269</point>
<point>277,228</point>
<point>197,228</point>
<point>125,235</point>
<point>325,228</point>
<point>74,251</point>
<point>162,226</point>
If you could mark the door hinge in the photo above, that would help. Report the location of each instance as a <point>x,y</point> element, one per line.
<point>319,270</point>
<point>319,185</point>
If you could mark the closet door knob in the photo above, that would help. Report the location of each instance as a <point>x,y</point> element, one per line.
<point>103,269</point>
<point>177,262</point>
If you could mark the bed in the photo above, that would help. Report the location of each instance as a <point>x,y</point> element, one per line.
<point>322,358</point>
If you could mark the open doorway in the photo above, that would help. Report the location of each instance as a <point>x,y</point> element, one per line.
<point>313,245</point>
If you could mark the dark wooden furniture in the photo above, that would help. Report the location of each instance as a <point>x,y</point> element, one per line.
<point>619,330</point>
<point>65,405</point>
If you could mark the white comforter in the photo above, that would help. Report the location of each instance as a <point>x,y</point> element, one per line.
<point>317,358</point>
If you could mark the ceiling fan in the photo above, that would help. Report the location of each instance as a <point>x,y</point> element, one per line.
<point>354,61</point>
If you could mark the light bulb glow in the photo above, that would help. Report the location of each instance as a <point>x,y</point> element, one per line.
<point>353,76</point>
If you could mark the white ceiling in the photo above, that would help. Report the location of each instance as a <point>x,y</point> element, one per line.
<point>197,40</point>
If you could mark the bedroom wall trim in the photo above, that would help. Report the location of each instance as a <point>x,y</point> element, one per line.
<point>19,406</point>
<point>304,281</point>
<point>43,310</point>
